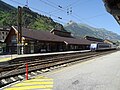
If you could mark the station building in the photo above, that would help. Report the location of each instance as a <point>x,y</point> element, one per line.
<point>94,40</point>
<point>37,41</point>
<point>3,34</point>
<point>62,33</point>
<point>108,41</point>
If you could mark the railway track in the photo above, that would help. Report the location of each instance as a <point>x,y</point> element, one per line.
<point>16,71</point>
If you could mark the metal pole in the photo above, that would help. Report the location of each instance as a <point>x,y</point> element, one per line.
<point>26,71</point>
<point>19,30</point>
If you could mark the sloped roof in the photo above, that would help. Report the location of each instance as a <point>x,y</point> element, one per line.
<point>40,35</point>
<point>76,41</point>
<point>93,39</point>
<point>47,36</point>
<point>64,31</point>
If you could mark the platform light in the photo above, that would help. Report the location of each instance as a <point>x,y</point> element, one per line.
<point>26,44</point>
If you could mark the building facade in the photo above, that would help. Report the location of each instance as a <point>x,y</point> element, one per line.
<point>93,39</point>
<point>38,41</point>
<point>3,34</point>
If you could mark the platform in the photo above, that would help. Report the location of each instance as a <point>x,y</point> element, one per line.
<point>4,58</point>
<point>100,73</point>
<point>38,83</point>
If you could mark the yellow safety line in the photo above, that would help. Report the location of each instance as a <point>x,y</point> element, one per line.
<point>40,82</point>
<point>31,87</point>
<point>42,77</point>
<point>6,59</point>
<point>28,89</point>
<point>34,83</point>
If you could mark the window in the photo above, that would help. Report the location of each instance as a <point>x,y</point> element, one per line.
<point>13,39</point>
<point>3,37</point>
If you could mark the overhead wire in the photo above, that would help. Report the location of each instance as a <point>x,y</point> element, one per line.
<point>49,4</point>
<point>78,2</point>
<point>74,16</point>
<point>72,4</point>
<point>98,15</point>
<point>55,4</point>
<point>83,20</point>
<point>38,10</point>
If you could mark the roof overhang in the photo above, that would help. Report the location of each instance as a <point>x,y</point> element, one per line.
<point>113,7</point>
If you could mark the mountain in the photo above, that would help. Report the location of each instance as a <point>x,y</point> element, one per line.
<point>5,6</point>
<point>81,30</point>
<point>33,20</point>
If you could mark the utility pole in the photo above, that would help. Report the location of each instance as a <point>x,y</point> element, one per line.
<point>19,43</point>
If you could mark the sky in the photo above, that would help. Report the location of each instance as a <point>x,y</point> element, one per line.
<point>91,12</point>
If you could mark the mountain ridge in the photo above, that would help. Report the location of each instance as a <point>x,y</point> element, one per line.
<point>37,21</point>
<point>82,30</point>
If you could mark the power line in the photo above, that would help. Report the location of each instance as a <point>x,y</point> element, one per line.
<point>57,7</point>
<point>17,2</point>
<point>70,5</point>
<point>55,4</point>
<point>33,8</point>
<point>77,2</point>
<point>77,17</point>
<point>73,15</point>
<point>60,21</point>
<point>51,4</point>
<point>73,3</point>
<point>38,10</point>
<point>29,6</point>
<point>98,15</point>
<point>68,12</point>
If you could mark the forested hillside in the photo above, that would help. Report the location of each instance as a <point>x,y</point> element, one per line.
<point>8,17</point>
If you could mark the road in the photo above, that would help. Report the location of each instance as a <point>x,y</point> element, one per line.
<point>101,73</point>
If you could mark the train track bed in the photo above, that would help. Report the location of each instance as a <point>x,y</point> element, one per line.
<point>15,70</point>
